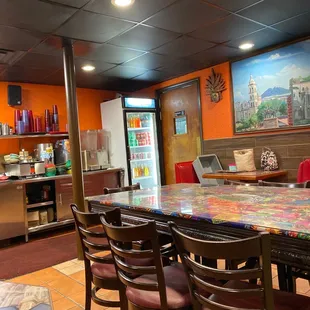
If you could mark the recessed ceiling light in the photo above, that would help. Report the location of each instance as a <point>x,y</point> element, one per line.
<point>122,3</point>
<point>246,46</point>
<point>88,68</point>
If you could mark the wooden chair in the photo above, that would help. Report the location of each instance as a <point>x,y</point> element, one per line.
<point>229,182</point>
<point>164,239</point>
<point>101,272</point>
<point>156,287</point>
<point>133,187</point>
<point>236,294</point>
<point>288,185</point>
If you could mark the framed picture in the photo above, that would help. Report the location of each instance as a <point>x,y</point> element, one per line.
<point>272,90</point>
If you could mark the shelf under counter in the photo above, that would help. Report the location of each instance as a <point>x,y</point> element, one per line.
<point>49,226</point>
<point>40,204</point>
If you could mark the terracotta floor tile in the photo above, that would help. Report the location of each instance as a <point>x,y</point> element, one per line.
<point>48,274</point>
<point>275,283</point>
<point>302,286</point>
<point>78,298</point>
<point>72,269</point>
<point>55,295</point>
<point>64,265</point>
<point>63,304</point>
<point>77,308</point>
<point>79,277</point>
<point>28,279</point>
<point>274,272</point>
<point>66,286</point>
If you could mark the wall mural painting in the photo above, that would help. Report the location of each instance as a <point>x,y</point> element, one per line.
<point>272,90</point>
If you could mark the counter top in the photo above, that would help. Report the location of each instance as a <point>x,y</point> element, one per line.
<point>56,177</point>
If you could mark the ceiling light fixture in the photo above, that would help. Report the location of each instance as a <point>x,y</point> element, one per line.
<point>88,68</point>
<point>246,46</point>
<point>122,3</point>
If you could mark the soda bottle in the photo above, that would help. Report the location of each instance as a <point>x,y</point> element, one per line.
<point>137,122</point>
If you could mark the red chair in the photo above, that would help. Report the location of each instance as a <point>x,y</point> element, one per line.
<point>304,171</point>
<point>185,173</point>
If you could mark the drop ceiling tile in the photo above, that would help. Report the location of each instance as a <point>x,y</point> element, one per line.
<point>29,75</point>
<point>183,46</point>
<point>94,81</point>
<point>233,5</point>
<point>93,27</point>
<point>50,46</point>
<point>17,39</point>
<point>151,61</point>
<point>139,11</point>
<point>56,78</point>
<point>124,72</point>
<point>113,54</point>
<point>262,38</point>
<point>273,11</point>
<point>215,55</point>
<point>185,16</point>
<point>183,66</point>
<point>34,14</point>
<point>226,29</point>
<point>34,60</point>
<point>53,46</point>
<point>84,48</point>
<point>100,66</point>
<point>154,76</point>
<point>297,25</point>
<point>74,3</point>
<point>144,38</point>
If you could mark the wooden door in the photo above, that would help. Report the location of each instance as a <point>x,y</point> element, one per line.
<point>180,147</point>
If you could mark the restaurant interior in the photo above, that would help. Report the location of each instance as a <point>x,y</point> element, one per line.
<point>154,154</point>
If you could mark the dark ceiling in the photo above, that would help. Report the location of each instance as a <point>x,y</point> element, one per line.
<point>152,41</point>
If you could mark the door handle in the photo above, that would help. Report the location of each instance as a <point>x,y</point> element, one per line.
<point>60,199</point>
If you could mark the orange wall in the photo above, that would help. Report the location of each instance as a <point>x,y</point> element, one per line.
<point>216,117</point>
<point>40,97</point>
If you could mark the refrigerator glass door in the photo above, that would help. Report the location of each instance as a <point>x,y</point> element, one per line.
<point>143,146</point>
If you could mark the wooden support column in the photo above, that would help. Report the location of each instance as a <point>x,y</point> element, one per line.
<point>74,130</point>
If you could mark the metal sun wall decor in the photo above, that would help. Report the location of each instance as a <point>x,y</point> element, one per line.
<point>215,86</point>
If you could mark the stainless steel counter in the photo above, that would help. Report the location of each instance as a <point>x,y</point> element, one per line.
<point>14,207</point>
<point>56,177</point>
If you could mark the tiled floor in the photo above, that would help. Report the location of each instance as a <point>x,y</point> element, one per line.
<point>66,284</point>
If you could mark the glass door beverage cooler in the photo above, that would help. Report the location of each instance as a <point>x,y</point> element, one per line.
<point>133,125</point>
<point>140,119</point>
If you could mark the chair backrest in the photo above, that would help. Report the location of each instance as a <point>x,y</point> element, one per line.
<point>92,236</point>
<point>133,187</point>
<point>230,182</point>
<point>288,185</point>
<point>201,278</point>
<point>126,258</point>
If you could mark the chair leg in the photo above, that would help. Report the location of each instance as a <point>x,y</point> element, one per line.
<point>282,277</point>
<point>291,281</point>
<point>87,293</point>
<point>123,298</point>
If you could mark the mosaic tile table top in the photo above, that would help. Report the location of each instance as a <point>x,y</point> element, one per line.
<point>14,296</point>
<point>280,211</point>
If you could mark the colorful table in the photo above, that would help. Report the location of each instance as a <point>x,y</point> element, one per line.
<point>15,296</point>
<point>224,212</point>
